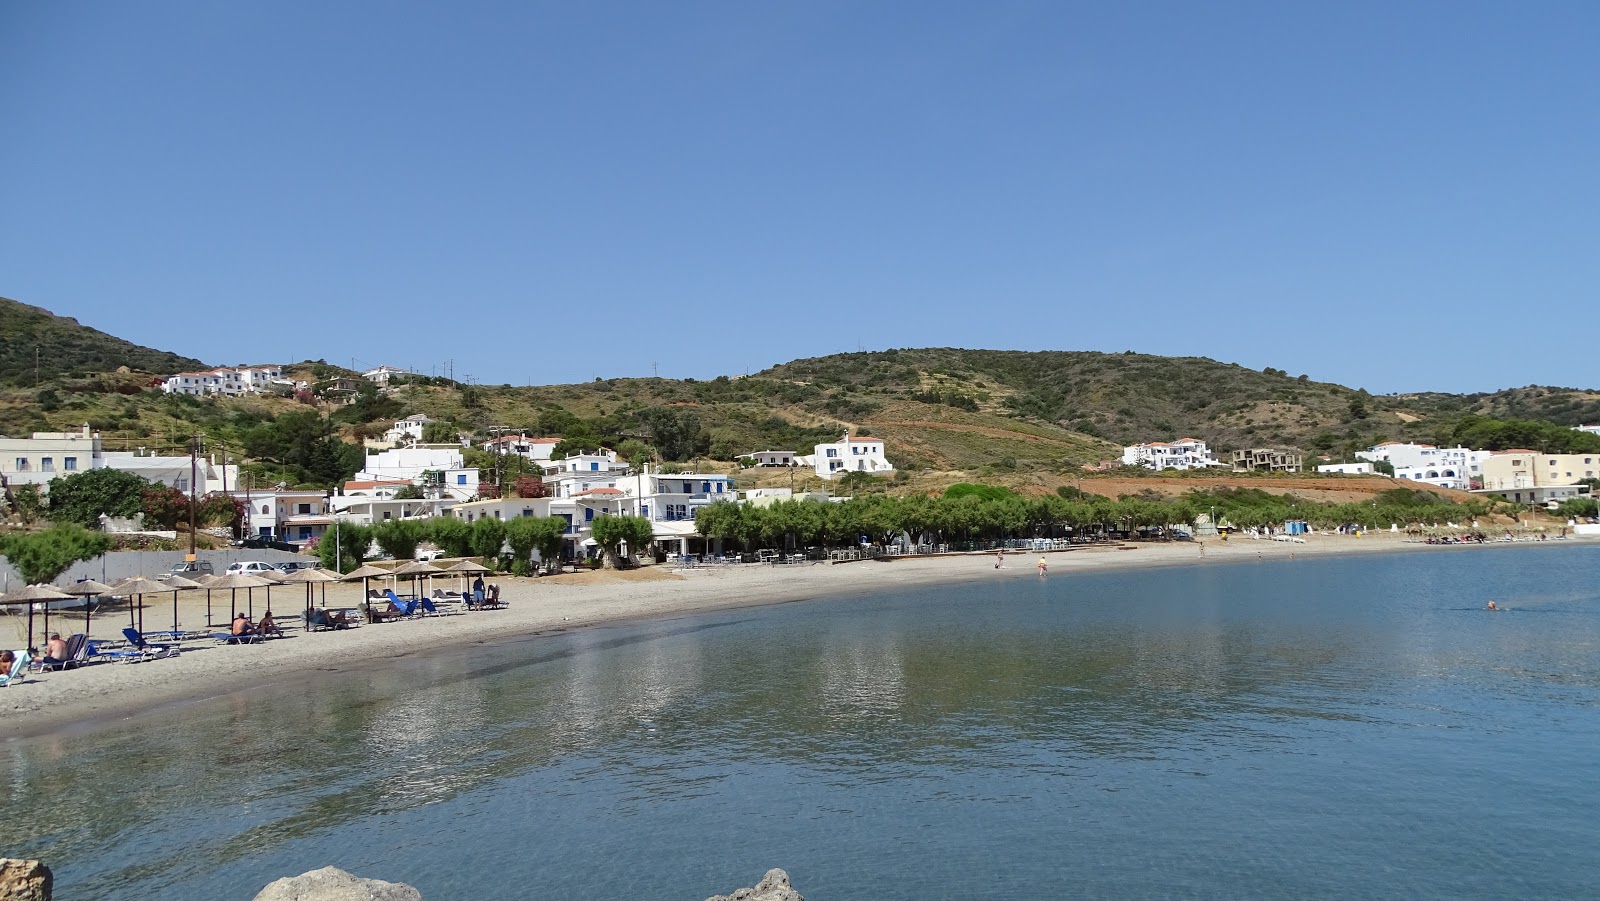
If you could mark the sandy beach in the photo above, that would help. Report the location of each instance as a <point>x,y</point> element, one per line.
<point>82,697</point>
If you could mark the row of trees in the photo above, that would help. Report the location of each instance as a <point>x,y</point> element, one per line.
<point>81,497</point>
<point>39,557</point>
<point>995,513</point>
<point>507,544</point>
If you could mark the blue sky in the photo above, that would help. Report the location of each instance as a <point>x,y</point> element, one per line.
<point>1395,196</point>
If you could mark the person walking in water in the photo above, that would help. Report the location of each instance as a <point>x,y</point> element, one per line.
<point>1043,566</point>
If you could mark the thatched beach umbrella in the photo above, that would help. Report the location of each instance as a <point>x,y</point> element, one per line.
<point>415,570</point>
<point>30,593</point>
<point>235,581</point>
<point>311,577</point>
<point>86,589</point>
<point>139,586</point>
<point>466,569</point>
<point>364,572</point>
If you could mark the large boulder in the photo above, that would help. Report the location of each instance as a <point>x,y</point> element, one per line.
<point>24,880</point>
<point>773,887</point>
<point>334,884</point>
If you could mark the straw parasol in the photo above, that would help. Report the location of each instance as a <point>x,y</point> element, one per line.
<point>466,569</point>
<point>311,577</point>
<point>30,593</point>
<point>272,575</point>
<point>364,572</point>
<point>235,581</point>
<point>139,586</point>
<point>414,570</point>
<point>86,589</point>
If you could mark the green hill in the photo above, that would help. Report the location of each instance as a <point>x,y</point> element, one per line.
<point>38,344</point>
<point>941,409</point>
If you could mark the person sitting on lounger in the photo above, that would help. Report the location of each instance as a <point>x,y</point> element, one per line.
<point>268,626</point>
<point>241,625</point>
<point>55,650</point>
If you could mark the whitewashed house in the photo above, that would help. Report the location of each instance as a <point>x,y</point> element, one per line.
<point>850,455</point>
<point>1364,468</point>
<point>772,458</point>
<point>383,374</point>
<point>605,461</point>
<point>432,466</point>
<point>48,455</point>
<point>535,449</point>
<point>1448,467</point>
<point>408,430</point>
<point>1184,453</point>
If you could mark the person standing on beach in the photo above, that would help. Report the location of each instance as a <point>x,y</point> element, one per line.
<point>999,559</point>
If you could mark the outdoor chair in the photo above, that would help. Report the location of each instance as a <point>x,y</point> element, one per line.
<point>387,613</point>
<point>77,652</point>
<point>146,649</point>
<point>406,608</point>
<point>19,670</point>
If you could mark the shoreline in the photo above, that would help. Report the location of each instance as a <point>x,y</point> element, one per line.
<point>85,699</point>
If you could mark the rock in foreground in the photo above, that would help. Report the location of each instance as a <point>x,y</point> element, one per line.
<point>24,880</point>
<point>334,884</point>
<point>773,887</point>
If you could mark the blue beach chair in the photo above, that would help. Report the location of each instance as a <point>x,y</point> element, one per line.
<point>406,608</point>
<point>148,650</point>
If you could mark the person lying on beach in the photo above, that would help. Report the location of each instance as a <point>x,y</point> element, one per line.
<point>241,625</point>
<point>55,650</point>
<point>7,660</point>
<point>268,626</point>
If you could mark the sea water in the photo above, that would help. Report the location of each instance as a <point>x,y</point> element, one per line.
<point>1333,728</point>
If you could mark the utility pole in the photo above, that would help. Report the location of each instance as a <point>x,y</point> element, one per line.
<point>194,450</point>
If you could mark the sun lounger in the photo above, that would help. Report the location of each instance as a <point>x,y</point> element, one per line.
<point>387,613</point>
<point>406,608</point>
<point>77,654</point>
<point>429,608</point>
<point>101,653</point>
<point>19,670</point>
<point>146,649</point>
<point>230,638</point>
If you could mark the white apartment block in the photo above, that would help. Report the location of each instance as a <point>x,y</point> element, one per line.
<point>295,516</point>
<point>772,458</point>
<point>1446,467</point>
<point>605,461</point>
<point>383,374</point>
<point>228,382</point>
<point>431,466</point>
<point>1184,453</point>
<point>850,455</point>
<point>48,455</point>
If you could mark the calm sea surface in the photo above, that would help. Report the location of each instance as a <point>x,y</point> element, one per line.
<point>1350,728</point>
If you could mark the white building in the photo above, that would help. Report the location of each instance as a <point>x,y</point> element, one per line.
<point>605,461</point>
<point>284,514</point>
<point>850,455</point>
<point>1185,453</point>
<point>1448,467</point>
<point>382,374</point>
<point>408,430</point>
<point>369,502</point>
<point>226,381</point>
<point>535,449</point>
<point>48,455</point>
<point>772,458</point>
<point>431,466</point>
<point>1591,429</point>
<point>1364,468</point>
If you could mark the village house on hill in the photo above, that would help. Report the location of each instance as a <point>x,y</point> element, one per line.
<point>1184,453</point>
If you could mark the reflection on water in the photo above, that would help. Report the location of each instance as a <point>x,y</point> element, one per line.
<point>1327,728</point>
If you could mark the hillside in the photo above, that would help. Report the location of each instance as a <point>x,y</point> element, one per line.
<point>1033,418</point>
<point>62,348</point>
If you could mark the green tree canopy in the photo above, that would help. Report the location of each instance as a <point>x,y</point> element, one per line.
<point>352,542</point>
<point>399,537</point>
<point>451,536</point>
<point>39,557</point>
<point>81,497</point>
<point>526,534</point>
<point>611,531</point>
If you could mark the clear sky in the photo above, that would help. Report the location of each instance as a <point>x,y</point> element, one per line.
<point>1395,196</point>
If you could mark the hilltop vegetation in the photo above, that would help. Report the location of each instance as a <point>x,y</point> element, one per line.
<point>62,348</point>
<point>946,411</point>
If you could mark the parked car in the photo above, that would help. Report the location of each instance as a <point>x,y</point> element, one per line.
<point>248,568</point>
<point>189,569</point>
<point>294,566</point>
